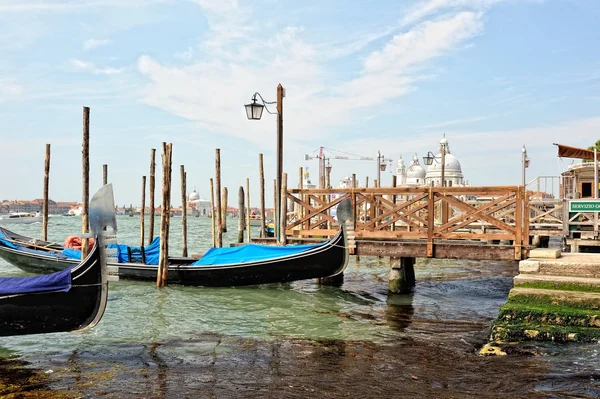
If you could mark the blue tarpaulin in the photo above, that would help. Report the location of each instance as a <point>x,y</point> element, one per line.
<point>151,251</point>
<point>55,282</point>
<point>250,252</point>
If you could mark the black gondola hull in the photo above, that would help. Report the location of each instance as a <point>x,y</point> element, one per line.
<point>329,259</point>
<point>35,313</point>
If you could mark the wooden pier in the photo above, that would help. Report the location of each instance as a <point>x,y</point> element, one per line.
<point>429,222</point>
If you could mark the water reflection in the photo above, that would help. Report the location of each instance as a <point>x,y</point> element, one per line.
<point>399,311</point>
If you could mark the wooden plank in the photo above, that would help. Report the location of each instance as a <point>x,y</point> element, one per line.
<point>442,250</point>
<point>461,205</point>
<point>483,191</point>
<point>472,216</point>
<point>519,224</point>
<point>430,223</point>
<point>395,208</point>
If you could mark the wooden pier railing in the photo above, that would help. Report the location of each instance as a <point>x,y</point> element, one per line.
<point>424,214</point>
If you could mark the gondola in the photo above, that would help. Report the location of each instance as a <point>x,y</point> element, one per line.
<point>68,300</point>
<point>250,264</point>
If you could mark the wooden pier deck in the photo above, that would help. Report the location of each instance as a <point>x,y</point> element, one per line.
<point>435,222</point>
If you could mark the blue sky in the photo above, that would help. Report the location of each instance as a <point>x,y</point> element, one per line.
<point>360,76</point>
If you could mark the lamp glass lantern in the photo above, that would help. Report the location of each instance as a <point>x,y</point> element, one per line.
<point>428,159</point>
<point>254,110</point>
<point>382,166</point>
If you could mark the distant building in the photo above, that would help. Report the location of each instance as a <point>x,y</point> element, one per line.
<point>416,175</point>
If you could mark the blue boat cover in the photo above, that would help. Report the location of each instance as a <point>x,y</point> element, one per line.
<point>152,252</point>
<point>249,253</point>
<point>55,282</point>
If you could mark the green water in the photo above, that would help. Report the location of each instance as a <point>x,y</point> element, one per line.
<point>449,313</point>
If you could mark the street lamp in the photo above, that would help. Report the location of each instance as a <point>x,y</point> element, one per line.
<point>524,162</point>
<point>328,169</point>
<point>254,111</point>
<point>430,157</point>
<point>381,165</point>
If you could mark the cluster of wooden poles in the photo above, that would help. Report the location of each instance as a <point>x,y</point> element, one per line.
<point>218,201</point>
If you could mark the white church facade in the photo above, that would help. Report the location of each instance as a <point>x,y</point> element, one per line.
<point>416,175</point>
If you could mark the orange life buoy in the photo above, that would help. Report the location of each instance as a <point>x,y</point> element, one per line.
<point>74,242</point>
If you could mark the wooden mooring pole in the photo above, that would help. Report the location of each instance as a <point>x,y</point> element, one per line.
<point>212,214</point>
<point>262,196</point>
<point>283,210</point>
<point>248,210</point>
<point>224,209</point>
<point>151,192</point>
<point>184,248</point>
<point>45,199</point>
<point>142,211</point>
<point>240,237</point>
<point>85,200</point>
<point>45,203</point>
<point>163,263</point>
<point>104,174</point>
<point>217,209</point>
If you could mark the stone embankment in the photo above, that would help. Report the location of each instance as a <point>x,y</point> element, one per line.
<point>556,297</point>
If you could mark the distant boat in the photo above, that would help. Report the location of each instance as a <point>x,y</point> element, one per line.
<point>21,218</point>
<point>74,211</point>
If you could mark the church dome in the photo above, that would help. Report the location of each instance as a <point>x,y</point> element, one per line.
<point>415,171</point>
<point>452,164</point>
<point>194,196</point>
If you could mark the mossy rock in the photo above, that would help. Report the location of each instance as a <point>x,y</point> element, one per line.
<point>540,313</point>
<point>523,331</point>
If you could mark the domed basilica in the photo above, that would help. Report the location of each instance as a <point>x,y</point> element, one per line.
<point>416,175</point>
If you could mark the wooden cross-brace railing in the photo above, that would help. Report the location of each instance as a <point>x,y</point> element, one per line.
<point>418,213</point>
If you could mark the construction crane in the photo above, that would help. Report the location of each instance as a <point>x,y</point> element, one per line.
<point>324,156</point>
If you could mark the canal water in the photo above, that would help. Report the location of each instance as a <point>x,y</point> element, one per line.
<point>296,340</point>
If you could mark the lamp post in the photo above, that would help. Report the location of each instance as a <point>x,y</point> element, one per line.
<point>254,111</point>
<point>524,163</point>
<point>430,157</point>
<point>328,169</point>
<point>381,166</point>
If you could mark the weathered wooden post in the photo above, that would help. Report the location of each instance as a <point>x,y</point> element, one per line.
<point>300,185</point>
<point>240,237</point>
<point>143,211</point>
<point>184,249</point>
<point>85,201</point>
<point>248,210</point>
<point>104,174</point>
<point>224,209</point>
<point>151,189</point>
<point>283,208</point>
<point>212,214</point>
<point>262,196</point>
<point>219,241</point>
<point>275,207</point>
<point>163,264</point>
<point>394,183</point>
<point>45,203</point>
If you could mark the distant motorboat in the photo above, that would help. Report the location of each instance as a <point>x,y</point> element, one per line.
<point>21,217</point>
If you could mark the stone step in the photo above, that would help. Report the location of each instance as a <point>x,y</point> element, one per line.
<point>584,284</point>
<point>545,253</point>
<point>575,266</point>
<point>584,300</point>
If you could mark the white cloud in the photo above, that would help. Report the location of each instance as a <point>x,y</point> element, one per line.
<point>9,88</point>
<point>91,44</point>
<point>236,65</point>
<point>15,6</point>
<point>82,66</point>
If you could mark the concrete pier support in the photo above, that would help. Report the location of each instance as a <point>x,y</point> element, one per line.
<point>402,275</point>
